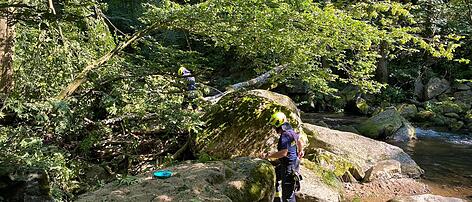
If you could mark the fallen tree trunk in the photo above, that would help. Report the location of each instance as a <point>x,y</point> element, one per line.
<point>253,83</point>
<point>83,75</point>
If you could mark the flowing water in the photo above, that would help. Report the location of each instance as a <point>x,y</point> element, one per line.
<point>445,157</point>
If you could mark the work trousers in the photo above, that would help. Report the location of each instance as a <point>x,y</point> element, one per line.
<point>285,182</point>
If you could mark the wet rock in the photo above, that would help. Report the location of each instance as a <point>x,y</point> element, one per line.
<point>240,179</point>
<point>435,87</point>
<point>425,198</point>
<point>408,111</point>
<point>405,133</point>
<point>358,150</point>
<point>383,170</point>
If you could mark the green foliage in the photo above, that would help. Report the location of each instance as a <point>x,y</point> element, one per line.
<point>203,157</point>
<point>221,41</point>
<point>127,180</point>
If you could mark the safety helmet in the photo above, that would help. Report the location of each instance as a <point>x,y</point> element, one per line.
<point>181,71</point>
<point>277,119</point>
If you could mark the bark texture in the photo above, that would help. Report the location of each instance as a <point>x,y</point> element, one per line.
<point>7,37</point>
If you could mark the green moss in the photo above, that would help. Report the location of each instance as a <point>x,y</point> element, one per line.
<point>449,107</point>
<point>327,177</point>
<point>425,115</point>
<point>369,129</point>
<point>238,124</point>
<point>363,106</point>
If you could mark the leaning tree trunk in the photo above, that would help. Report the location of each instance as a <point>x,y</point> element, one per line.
<point>7,36</point>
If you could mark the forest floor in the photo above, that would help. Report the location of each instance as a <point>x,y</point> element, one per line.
<point>384,190</point>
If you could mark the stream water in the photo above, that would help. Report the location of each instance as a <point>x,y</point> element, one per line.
<point>445,157</point>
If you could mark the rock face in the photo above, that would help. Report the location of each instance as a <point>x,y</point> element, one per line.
<point>313,189</point>
<point>241,179</point>
<point>383,170</point>
<point>435,87</point>
<point>426,198</point>
<point>387,125</point>
<point>359,150</point>
<point>405,133</point>
<point>238,124</point>
<point>24,185</point>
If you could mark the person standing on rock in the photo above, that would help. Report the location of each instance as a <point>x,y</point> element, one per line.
<point>190,97</point>
<point>289,152</point>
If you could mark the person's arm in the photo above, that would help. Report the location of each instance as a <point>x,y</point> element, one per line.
<point>279,154</point>
<point>300,144</point>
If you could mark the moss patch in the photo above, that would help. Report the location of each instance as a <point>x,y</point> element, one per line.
<point>238,124</point>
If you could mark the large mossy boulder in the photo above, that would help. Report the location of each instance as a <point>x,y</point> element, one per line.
<point>241,179</point>
<point>386,125</point>
<point>358,150</point>
<point>237,125</point>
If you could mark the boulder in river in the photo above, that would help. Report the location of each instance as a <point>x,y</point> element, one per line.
<point>387,125</point>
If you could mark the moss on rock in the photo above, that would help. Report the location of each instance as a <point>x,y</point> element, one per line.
<point>382,125</point>
<point>238,124</point>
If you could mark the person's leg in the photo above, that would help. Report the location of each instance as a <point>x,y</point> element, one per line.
<point>288,185</point>
<point>278,187</point>
<point>185,102</point>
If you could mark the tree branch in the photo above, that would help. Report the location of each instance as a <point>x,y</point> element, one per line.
<point>82,76</point>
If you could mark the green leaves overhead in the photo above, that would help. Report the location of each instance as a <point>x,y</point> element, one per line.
<point>300,34</point>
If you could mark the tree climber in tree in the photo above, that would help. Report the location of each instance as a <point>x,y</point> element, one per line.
<point>190,96</point>
<point>290,151</point>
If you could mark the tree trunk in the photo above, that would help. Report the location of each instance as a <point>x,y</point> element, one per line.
<point>82,76</point>
<point>252,83</point>
<point>381,73</point>
<point>7,36</point>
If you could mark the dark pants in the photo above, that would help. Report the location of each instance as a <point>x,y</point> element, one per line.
<point>190,98</point>
<point>284,173</point>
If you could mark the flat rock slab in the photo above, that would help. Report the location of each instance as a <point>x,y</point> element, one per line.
<point>363,151</point>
